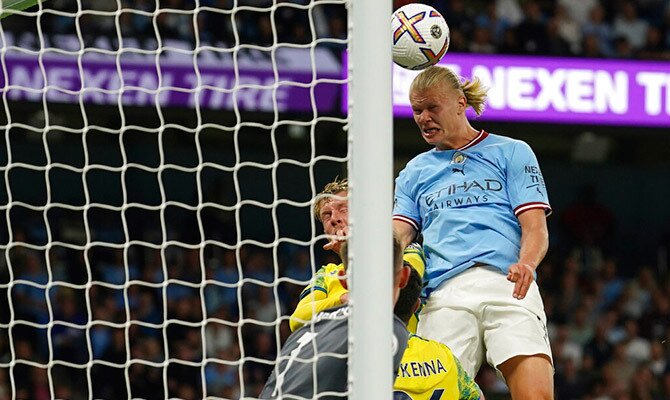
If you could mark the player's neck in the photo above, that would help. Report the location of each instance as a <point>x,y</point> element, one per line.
<point>459,139</point>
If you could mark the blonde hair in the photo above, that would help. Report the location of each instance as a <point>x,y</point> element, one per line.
<point>334,187</point>
<point>473,90</point>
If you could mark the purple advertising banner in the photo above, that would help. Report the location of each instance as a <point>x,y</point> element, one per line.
<point>522,88</point>
<point>222,83</point>
<point>563,90</point>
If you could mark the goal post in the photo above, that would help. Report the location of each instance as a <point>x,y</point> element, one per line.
<point>371,168</point>
<point>159,167</point>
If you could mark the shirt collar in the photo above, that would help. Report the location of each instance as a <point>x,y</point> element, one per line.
<point>482,135</point>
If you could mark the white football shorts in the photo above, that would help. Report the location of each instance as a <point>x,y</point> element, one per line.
<point>475,314</point>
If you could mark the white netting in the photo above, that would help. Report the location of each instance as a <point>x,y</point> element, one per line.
<point>159,166</point>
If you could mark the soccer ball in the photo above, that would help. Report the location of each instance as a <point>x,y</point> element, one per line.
<point>420,36</point>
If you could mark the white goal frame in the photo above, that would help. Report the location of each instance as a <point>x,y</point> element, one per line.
<point>371,194</point>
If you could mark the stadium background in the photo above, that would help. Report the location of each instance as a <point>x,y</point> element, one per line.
<point>605,280</point>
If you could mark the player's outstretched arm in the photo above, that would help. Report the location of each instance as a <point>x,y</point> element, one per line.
<point>311,305</point>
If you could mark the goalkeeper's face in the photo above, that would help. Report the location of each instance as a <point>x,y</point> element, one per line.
<point>334,215</point>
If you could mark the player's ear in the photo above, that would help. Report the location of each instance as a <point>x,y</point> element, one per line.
<point>462,104</point>
<point>403,276</point>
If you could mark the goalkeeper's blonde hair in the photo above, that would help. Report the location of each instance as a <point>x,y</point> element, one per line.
<point>473,90</point>
<point>334,187</point>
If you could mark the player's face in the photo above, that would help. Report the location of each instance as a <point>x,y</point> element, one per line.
<point>335,215</point>
<point>437,112</point>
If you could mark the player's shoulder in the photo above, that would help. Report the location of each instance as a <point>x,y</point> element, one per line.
<point>429,346</point>
<point>414,248</point>
<point>505,142</point>
<point>329,269</point>
<point>416,257</point>
<point>501,149</point>
<point>420,160</point>
<point>321,278</point>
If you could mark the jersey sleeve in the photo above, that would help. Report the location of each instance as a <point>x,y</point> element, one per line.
<point>324,292</point>
<point>525,184</point>
<point>415,256</point>
<point>405,207</point>
<point>467,388</point>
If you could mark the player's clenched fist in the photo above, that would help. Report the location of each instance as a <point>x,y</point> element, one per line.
<point>522,275</point>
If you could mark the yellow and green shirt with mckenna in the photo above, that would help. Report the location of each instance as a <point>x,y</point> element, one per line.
<point>428,370</point>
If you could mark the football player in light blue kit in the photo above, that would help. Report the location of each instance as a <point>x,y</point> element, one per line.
<point>480,203</point>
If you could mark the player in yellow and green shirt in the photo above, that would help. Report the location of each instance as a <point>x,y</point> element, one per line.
<point>428,369</point>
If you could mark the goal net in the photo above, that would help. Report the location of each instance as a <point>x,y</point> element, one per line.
<point>160,162</point>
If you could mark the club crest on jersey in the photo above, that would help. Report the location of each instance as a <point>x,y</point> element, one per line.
<point>458,162</point>
<point>458,158</point>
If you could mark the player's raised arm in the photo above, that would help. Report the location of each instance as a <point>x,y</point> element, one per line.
<point>404,232</point>
<point>534,245</point>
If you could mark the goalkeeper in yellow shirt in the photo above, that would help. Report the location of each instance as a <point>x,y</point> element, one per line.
<point>329,286</point>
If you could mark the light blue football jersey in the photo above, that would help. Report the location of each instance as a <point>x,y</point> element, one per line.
<point>466,202</point>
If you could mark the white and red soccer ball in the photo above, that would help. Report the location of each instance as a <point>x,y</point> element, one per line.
<point>420,36</point>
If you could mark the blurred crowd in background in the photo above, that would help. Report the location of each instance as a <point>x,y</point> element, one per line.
<point>584,28</point>
<point>133,312</point>
<point>608,321</point>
